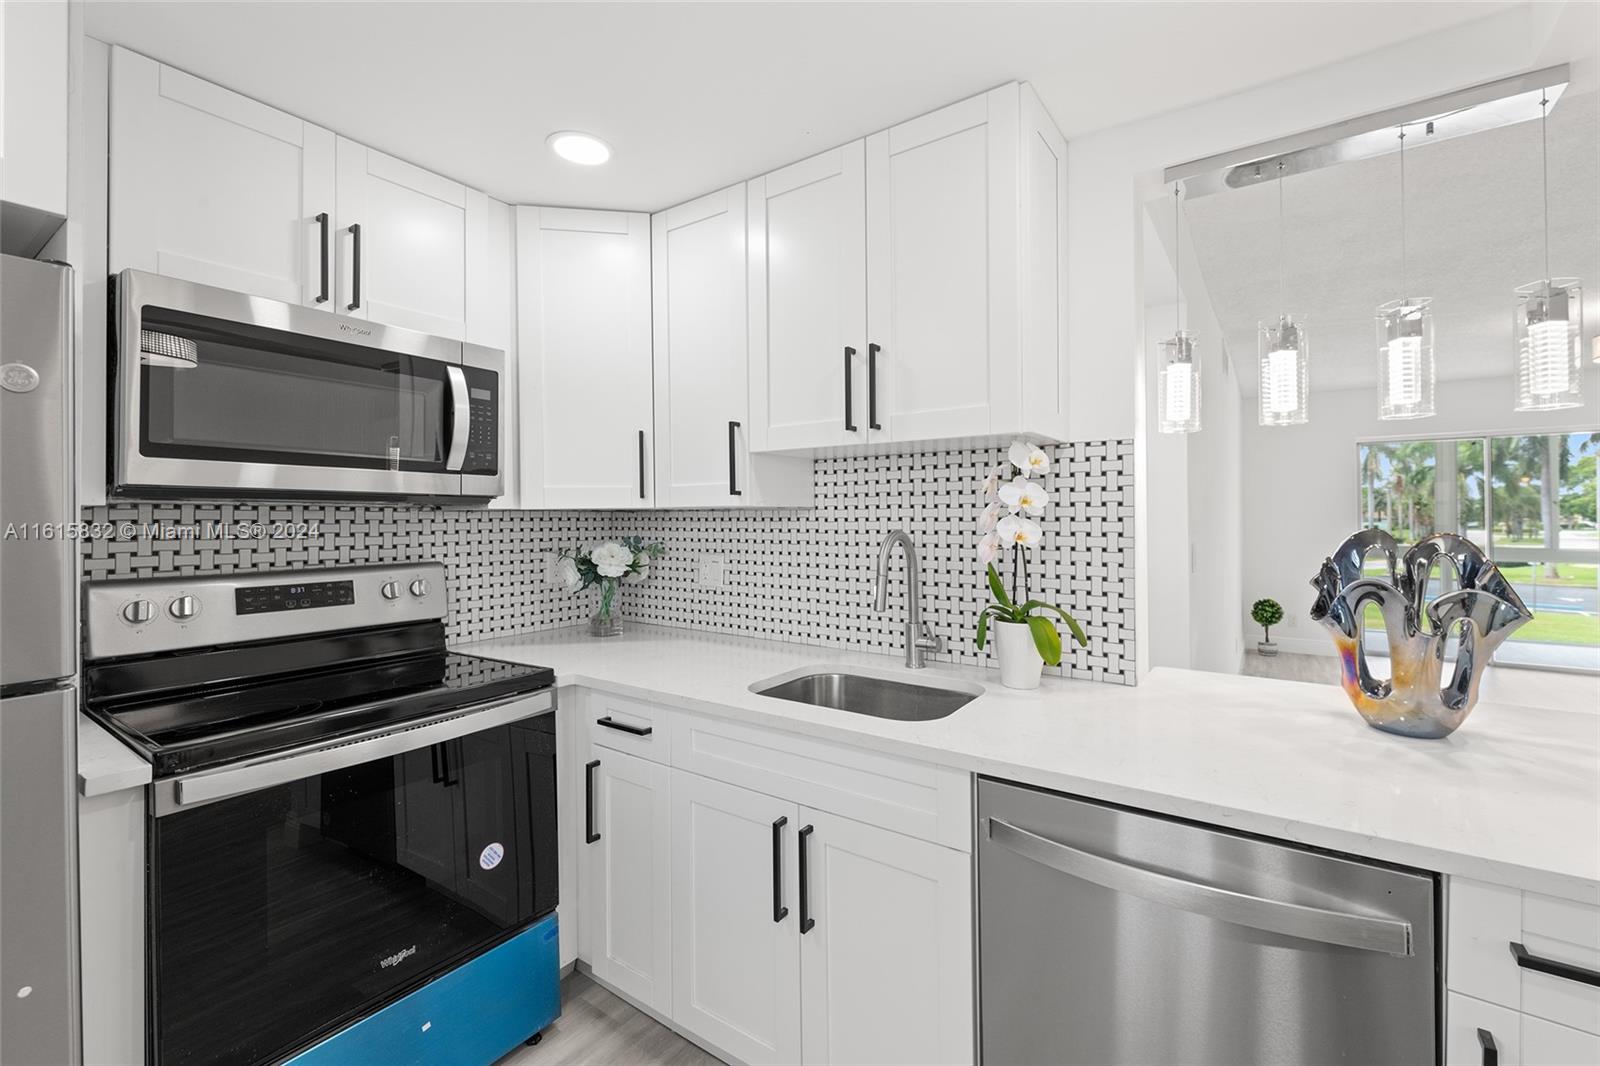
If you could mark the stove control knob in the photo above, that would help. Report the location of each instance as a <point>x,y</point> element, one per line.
<point>139,611</point>
<point>391,590</point>
<point>419,587</point>
<point>183,607</point>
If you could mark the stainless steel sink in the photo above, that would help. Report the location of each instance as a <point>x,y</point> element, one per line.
<point>880,697</point>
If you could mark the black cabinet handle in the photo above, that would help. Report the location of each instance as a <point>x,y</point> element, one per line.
<point>322,223</point>
<point>355,268</point>
<point>733,463</point>
<point>849,402</point>
<point>1491,1053</point>
<point>1553,967</point>
<point>806,921</point>
<point>434,751</point>
<point>589,835</point>
<point>624,727</point>
<point>641,464</point>
<point>779,911</point>
<point>872,386</point>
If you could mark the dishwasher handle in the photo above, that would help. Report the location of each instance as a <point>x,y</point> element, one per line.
<point>1359,931</point>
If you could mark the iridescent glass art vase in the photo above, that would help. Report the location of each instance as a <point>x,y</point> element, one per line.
<point>1417,700</point>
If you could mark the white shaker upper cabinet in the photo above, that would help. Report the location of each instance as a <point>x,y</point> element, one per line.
<point>808,294</point>
<point>964,272</point>
<point>583,326</point>
<point>35,72</point>
<point>402,243</point>
<point>213,187</point>
<point>702,365</point>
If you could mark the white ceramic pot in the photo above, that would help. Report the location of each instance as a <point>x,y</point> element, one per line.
<point>1020,662</point>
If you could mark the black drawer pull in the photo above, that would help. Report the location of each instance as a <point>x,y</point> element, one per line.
<point>872,386</point>
<point>322,223</point>
<point>806,921</point>
<point>589,835</point>
<point>779,911</point>
<point>849,402</point>
<point>1491,1053</point>
<point>624,727</point>
<point>355,268</point>
<point>1553,967</point>
<point>733,463</point>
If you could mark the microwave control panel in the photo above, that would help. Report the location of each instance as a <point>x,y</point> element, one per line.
<point>483,442</point>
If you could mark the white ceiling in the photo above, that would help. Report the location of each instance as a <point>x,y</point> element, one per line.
<point>697,96</point>
<point>1474,232</point>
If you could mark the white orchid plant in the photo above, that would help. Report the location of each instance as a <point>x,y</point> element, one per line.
<point>1012,500</point>
<point>614,563</point>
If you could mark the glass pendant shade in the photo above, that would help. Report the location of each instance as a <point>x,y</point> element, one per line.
<point>1548,327</point>
<point>1180,384</point>
<point>1405,359</point>
<point>1284,372</point>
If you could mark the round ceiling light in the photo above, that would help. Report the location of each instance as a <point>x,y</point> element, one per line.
<point>582,148</point>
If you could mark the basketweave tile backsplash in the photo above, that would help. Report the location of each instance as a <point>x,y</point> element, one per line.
<point>800,575</point>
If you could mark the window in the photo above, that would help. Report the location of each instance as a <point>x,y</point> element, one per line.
<point>1529,501</point>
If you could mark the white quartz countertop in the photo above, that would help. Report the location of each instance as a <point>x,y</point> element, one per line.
<point>1513,797</point>
<point>106,764</point>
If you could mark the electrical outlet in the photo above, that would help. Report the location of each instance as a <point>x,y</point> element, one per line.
<point>547,568</point>
<point>712,572</point>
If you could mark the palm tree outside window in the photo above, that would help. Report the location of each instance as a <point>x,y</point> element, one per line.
<point>1530,500</point>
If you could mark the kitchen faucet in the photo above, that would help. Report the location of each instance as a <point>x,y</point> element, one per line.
<point>919,638</point>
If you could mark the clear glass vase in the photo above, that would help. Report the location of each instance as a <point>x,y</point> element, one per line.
<point>607,620</point>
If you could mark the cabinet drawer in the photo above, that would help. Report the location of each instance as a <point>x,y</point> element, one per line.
<point>626,725</point>
<point>1486,920</point>
<point>1548,1044</point>
<point>1501,1028</point>
<point>919,800</point>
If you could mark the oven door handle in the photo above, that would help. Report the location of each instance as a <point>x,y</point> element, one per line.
<point>460,417</point>
<point>212,785</point>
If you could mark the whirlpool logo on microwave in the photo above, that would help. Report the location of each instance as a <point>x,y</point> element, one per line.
<point>398,957</point>
<point>355,329</point>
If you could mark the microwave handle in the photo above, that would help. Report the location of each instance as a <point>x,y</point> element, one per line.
<point>460,417</point>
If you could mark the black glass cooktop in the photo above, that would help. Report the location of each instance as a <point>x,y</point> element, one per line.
<point>199,710</point>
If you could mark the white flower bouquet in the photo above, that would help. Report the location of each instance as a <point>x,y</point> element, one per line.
<point>1012,500</point>
<point>609,565</point>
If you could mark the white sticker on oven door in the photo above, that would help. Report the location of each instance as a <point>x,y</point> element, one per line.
<point>490,856</point>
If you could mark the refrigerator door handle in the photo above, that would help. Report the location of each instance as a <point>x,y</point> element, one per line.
<point>1360,931</point>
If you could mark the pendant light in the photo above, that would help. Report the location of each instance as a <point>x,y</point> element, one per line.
<point>1284,349</point>
<point>1180,370</point>
<point>1405,339</point>
<point>1548,321</point>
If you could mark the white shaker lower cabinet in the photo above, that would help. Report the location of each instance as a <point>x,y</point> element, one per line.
<point>624,876</point>
<point>886,969</point>
<point>215,188</point>
<point>583,347</point>
<point>401,236</point>
<point>735,951</point>
<point>702,402</point>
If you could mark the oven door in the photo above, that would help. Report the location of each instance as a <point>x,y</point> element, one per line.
<point>224,394</point>
<point>283,913</point>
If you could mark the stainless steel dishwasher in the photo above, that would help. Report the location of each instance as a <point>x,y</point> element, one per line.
<point>1108,936</point>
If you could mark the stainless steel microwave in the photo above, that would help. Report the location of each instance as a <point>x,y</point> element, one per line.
<point>219,394</point>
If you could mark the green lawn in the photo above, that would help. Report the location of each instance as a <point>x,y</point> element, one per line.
<point>1548,627</point>
<point>1573,575</point>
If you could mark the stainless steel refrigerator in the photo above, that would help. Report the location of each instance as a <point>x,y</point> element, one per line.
<point>38,660</point>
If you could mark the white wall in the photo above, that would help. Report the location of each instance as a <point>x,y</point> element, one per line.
<point>1111,174</point>
<point>1300,498</point>
<point>1194,479</point>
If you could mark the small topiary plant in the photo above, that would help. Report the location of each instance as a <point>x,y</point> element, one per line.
<point>1267,613</point>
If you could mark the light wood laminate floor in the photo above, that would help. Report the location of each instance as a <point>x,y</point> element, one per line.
<point>598,1029</point>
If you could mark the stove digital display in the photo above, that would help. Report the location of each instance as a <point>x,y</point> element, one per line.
<point>294,597</point>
